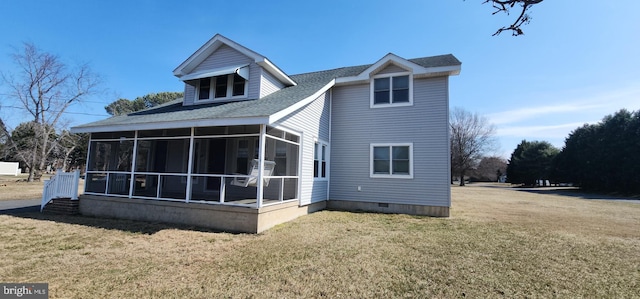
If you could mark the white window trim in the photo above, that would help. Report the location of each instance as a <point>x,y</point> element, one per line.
<point>389,75</point>
<point>326,160</point>
<point>212,90</point>
<point>390,175</point>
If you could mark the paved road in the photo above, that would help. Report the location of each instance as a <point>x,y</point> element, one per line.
<point>19,206</point>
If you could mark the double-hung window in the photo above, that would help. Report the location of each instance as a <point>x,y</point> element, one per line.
<point>320,156</point>
<point>222,87</point>
<point>392,160</point>
<point>392,90</point>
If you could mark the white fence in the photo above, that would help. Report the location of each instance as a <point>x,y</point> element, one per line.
<point>61,185</point>
<point>9,168</point>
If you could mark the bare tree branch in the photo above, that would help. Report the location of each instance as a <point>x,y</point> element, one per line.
<point>523,18</point>
<point>46,87</point>
<point>471,136</point>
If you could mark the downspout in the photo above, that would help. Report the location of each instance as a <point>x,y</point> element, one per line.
<point>448,126</point>
<point>329,162</point>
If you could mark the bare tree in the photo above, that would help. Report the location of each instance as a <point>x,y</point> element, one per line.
<point>46,87</point>
<point>472,136</point>
<point>4,140</point>
<point>67,144</point>
<point>490,169</point>
<point>505,6</point>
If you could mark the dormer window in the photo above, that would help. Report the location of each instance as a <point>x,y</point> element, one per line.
<point>238,85</point>
<point>205,86</point>
<point>221,87</point>
<point>392,90</point>
<point>221,84</point>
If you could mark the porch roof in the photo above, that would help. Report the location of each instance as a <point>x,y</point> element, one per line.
<point>256,111</point>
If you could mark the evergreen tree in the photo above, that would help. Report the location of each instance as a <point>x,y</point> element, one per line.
<point>604,156</point>
<point>531,161</point>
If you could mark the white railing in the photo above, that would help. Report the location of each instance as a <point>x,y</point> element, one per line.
<point>61,185</point>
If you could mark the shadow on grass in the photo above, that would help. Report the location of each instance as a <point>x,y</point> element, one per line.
<point>577,193</point>
<point>131,226</point>
<point>574,192</point>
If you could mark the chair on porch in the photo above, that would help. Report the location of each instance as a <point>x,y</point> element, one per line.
<point>252,179</point>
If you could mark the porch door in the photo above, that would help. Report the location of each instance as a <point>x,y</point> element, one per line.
<point>216,157</point>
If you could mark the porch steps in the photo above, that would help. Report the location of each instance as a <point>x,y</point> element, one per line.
<point>62,206</point>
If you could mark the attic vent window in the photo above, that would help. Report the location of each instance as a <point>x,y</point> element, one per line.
<point>392,90</point>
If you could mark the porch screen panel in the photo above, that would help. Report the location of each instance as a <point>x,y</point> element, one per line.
<point>119,183</point>
<point>209,166</point>
<point>209,156</point>
<point>165,133</point>
<point>146,185</point>
<point>173,187</point>
<point>113,135</point>
<point>271,131</point>
<point>272,190</point>
<point>282,184</point>
<point>290,190</point>
<point>110,155</point>
<point>109,162</point>
<point>280,189</point>
<point>284,154</point>
<point>96,182</point>
<point>161,164</point>
<point>227,130</point>
<point>162,155</point>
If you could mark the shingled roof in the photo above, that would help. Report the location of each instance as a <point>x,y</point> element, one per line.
<point>257,111</point>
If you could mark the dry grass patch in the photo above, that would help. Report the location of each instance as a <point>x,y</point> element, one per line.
<point>499,243</point>
<point>550,209</point>
<point>17,188</point>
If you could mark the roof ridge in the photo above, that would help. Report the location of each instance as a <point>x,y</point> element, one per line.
<point>370,64</point>
<point>333,70</point>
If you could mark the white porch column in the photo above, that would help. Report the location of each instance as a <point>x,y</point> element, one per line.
<point>86,166</point>
<point>260,180</point>
<point>134,156</point>
<point>190,166</point>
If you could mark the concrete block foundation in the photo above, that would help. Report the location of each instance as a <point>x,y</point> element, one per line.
<point>219,217</point>
<point>232,218</point>
<point>348,205</point>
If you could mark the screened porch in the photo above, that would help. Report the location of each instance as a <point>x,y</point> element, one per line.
<point>248,165</point>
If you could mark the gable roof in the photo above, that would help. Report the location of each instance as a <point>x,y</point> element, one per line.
<point>419,67</point>
<point>186,67</point>
<point>265,110</point>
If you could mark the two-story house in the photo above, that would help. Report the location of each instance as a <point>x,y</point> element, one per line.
<point>249,147</point>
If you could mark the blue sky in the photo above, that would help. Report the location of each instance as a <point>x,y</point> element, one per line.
<point>577,62</point>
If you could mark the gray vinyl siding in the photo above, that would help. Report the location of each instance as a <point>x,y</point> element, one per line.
<point>313,121</point>
<point>226,56</point>
<point>253,91</point>
<point>269,84</point>
<point>392,68</point>
<point>223,56</point>
<point>425,124</point>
